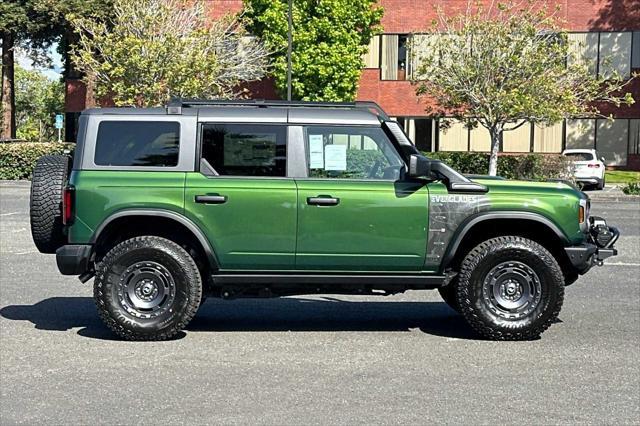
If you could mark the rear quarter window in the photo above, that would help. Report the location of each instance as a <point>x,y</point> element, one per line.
<point>137,143</point>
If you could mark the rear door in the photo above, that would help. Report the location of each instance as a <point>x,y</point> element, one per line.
<point>354,212</point>
<point>242,197</point>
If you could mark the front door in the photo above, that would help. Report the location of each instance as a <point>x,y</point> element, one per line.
<point>354,212</point>
<point>242,198</point>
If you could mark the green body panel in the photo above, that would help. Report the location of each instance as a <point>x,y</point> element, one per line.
<point>99,194</point>
<point>255,228</point>
<point>556,201</point>
<point>377,226</point>
<point>266,223</point>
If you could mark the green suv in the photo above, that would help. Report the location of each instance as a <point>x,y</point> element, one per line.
<point>167,206</point>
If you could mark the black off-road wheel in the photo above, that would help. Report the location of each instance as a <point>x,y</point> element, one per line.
<point>45,205</point>
<point>449,294</point>
<point>510,288</point>
<point>147,288</point>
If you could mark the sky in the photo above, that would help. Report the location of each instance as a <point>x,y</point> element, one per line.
<point>53,73</point>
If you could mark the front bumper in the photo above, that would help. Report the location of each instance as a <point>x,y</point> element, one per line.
<point>600,246</point>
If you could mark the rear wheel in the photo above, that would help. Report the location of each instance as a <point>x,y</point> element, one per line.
<point>147,288</point>
<point>45,204</point>
<point>510,288</point>
<point>601,184</point>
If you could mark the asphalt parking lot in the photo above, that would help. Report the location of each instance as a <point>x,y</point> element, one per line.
<point>405,359</point>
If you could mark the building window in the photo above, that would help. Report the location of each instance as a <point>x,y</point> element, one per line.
<point>612,138</point>
<point>635,50</point>
<point>394,57</point>
<point>634,136</point>
<point>420,131</point>
<point>615,54</point>
<point>581,133</point>
<point>371,59</point>
<point>583,49</point>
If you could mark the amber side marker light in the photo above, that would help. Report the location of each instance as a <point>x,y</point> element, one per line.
<point>581,214</point>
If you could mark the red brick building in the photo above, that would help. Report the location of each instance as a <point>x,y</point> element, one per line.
<point>602,28</point>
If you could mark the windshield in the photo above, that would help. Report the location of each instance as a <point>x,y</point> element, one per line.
<point>580,156</point>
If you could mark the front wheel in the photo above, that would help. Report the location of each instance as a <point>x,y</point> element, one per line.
<point>147,288</point>
<point>510,288</point>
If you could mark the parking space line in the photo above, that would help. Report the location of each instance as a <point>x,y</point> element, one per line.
<point>9,214</point>
<point>620,264</point>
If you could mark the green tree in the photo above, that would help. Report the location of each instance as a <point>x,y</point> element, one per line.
<point>38,99</point>
<point>18,20</point>
<point>502,67</point>
<point>329,39</point>
<point>153,50</point>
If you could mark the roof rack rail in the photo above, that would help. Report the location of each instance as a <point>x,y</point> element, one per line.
<point>175,105</point>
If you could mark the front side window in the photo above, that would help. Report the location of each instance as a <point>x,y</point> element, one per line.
<point>137,143</point>
<point>245,149</point>
<point>343,152</point>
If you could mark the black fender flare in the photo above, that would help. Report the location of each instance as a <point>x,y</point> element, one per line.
<point>478,218</point>
<point>167,214</point>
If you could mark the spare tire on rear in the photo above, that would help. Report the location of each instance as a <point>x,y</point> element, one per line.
<point>47,187</point>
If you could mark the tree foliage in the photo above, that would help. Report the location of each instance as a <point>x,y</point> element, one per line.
<point>38,100</point>
<point>500,66</point>
<point>329,39</point>
<point>152,50</point>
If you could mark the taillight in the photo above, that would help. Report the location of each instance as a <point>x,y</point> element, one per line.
<point>68,197</point>
<point>594,166</point>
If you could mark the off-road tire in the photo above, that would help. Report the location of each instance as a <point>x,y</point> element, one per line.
<point>449,294</point>
<point>112,276</point>
<point>512,251</point>
<point>45,204</point>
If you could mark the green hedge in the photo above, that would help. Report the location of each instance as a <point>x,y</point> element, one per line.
<point>523,166</point>
<point>18,159</point>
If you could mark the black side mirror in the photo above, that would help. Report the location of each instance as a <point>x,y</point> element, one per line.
<point>419,166</point>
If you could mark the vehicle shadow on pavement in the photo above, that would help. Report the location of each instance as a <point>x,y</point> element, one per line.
<point>256,315</point>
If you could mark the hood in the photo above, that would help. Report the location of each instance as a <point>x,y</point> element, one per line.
<point>504,186</point>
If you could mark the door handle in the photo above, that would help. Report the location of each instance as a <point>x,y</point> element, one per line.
<point>323,201</point>
<point>211,199</point>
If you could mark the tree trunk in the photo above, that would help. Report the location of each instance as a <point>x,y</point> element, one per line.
<point>496,136</point>
<point>8,88</point>
<point>90,96</point>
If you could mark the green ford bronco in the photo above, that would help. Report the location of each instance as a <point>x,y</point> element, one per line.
<point>166,206</point>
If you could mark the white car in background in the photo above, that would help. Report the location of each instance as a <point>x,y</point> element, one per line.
<point>589,169</point>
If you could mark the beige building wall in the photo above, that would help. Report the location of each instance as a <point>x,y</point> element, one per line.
<point>547,138</point>
<point>518,140</point>
<point>454,138</point>
<point>480,139</point>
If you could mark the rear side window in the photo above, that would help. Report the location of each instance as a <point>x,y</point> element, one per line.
<point>580,156</point>
<point>245,149</point>
<point>138,143</point>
